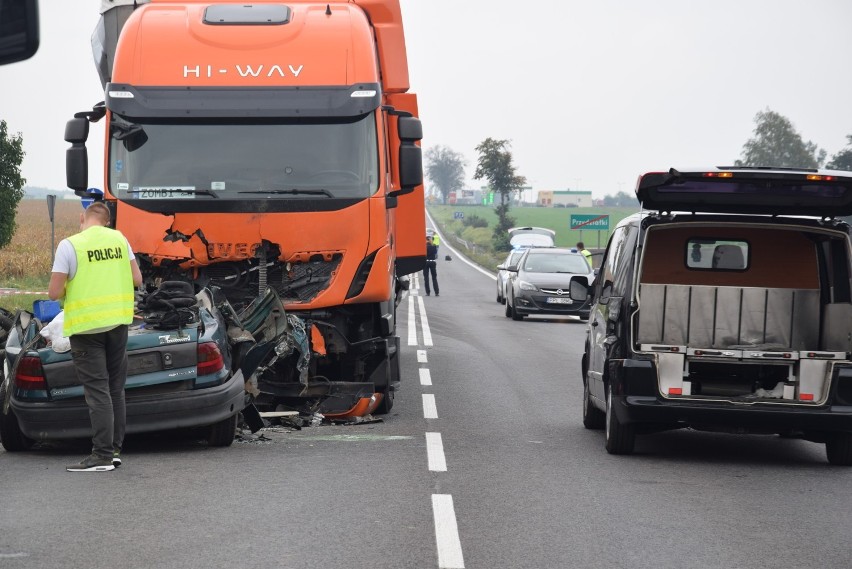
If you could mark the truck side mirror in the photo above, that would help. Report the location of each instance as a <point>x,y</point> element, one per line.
<point>77,157</point>
<point>410,130</point>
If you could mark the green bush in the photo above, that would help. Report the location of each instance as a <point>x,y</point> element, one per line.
<point>474,221</point>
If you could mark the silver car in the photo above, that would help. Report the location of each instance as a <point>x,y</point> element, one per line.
<point>549,281</point>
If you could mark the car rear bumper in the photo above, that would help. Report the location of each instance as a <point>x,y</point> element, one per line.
<point>194,408</point>
<point>720,416</point>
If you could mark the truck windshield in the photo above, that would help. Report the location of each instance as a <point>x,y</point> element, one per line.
<point>265,159</point>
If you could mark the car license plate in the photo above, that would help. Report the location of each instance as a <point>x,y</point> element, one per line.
<point>559,300</point>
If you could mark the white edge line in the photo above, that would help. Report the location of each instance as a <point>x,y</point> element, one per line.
<point>461,257</point>
<point>435,452</point>
<point>424,323</point>
<point>412,325</point>
<point>447,532</point>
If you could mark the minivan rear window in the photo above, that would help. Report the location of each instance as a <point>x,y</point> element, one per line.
<point>717,254</point>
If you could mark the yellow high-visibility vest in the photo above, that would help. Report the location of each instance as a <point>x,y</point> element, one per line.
<point>101,293</point>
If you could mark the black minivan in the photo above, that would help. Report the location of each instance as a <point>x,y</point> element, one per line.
<point>726,305</point>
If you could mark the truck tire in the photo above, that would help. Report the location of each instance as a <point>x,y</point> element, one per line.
<point>222,434</point>
<point>10,431</point>
<point>387,403</point>
<point>620,438</point>
<point>838,449</point>
<point>593,418</point>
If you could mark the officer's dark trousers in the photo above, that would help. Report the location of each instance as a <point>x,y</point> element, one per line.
<point>431,267</point>
<point>100,360</point>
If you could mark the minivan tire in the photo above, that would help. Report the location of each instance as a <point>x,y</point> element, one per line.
<point>620,438</point>
<point>838,449</point>
<point>593,418</point>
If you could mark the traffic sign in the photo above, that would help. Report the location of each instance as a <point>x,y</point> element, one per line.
<point>595,222</point>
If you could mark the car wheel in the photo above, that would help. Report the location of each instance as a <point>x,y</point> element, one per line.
<point>515,314</point>
<point>222,433</point>
<point>619,438</point>
<point>593,418</point>
<point>838,449</point>
<point>14,440</point>
<point>508,310</point>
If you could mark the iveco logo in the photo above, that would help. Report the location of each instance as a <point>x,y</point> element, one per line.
<point>559,292</point>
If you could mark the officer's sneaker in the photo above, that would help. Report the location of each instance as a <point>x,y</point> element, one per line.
<point>116,459</point>
<point>92,463</point>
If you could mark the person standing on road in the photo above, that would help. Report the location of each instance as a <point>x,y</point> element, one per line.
<point>581,247</point>
<point>431,265</point>
<point>95,271</point>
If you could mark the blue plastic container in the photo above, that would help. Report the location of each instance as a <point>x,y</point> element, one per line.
<point>46,310</point>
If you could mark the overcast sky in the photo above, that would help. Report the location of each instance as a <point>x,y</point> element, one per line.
<point>590,93</point>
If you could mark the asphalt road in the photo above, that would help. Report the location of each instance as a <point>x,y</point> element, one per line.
<point>483,463</point>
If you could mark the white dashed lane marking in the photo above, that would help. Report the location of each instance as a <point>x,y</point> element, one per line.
<point>430,410</point>
<point>435,452</point>
<point>447,532</point>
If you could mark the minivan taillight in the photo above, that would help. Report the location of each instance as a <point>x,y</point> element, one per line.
<point>209,358</point>
<point>30,375</point>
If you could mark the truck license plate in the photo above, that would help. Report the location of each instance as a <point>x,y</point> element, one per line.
<point>164,193</point>
<point>559,300</point>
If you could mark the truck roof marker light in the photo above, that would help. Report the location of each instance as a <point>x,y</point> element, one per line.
<point>121,95</point>
<point>367,93</point>
<point>806,396</point>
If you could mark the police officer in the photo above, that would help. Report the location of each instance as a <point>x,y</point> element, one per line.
<point>95,271</point>
<point>431,265</point>
<point>581,247</point>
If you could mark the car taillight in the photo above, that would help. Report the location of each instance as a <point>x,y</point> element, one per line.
<point>30,375</point>
<point>209,358</point>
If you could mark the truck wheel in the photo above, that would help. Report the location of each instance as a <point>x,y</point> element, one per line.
<point>593,418</point>
<point>10,431</point>
<point>838,448</point>
<point>222,433</point>
<point>619,438</point>
<point>387,403</point>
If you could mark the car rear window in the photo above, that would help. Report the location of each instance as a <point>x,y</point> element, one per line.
<point>717,254</point>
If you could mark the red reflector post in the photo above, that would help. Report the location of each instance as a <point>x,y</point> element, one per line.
<point>209,358</point>
<point>30,374</point>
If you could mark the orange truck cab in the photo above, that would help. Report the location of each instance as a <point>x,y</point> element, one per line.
<point>272,149</point>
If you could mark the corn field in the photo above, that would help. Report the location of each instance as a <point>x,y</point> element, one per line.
<point>26,261</point>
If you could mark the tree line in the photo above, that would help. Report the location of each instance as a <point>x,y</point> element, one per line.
<point>775,143</point>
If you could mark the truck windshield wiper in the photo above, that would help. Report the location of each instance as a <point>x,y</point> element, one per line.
<point>294,191</point>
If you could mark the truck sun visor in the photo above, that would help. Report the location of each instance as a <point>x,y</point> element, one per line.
<point>247,15</point>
